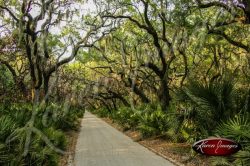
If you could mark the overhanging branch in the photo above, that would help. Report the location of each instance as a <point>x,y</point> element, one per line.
<point>153,67</point>
<point>230,40</point>
<point>10,12</point>
<point>216,3</point>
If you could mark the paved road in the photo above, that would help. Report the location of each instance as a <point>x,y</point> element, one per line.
<point>99,144</point>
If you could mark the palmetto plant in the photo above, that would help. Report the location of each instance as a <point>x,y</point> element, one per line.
<point>219,109</point>
<point>126,116</point>
<point>237,128</point>
<point>7,127</point>
<point>153,123</point>
<point>205,105</point>
<point>13,134</point>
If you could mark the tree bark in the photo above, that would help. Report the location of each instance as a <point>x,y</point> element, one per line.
<point>164,96</point>
<point>46,87</point>
<point>247,10</point>
<point>137,91</point>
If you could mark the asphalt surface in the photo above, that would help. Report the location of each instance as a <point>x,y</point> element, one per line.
<point>99,144</point>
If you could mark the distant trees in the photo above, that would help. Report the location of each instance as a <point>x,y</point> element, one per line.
<point>152,17</point>
<point>161,44</point>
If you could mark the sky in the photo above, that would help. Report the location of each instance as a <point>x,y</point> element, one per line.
<point>86,8</point>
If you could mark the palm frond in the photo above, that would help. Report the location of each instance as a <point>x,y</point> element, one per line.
<point>220,161</point>
<point>236,128</point>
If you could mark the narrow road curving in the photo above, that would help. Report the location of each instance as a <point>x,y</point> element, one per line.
<point>99,144</point>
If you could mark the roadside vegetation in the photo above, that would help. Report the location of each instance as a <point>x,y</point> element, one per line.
<point>48,137</point>
<point>200,111</point>
<point>178,70</point>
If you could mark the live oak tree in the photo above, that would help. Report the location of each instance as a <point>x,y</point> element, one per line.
<point>123,67</point>
<point>46,48</point>
<point>221,28</point>
<point>153,18</point>
<point>231,17</point>
<point>173,30</point>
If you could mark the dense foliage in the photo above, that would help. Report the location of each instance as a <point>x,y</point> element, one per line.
<point>177,69</point>
<point>50,126</point>
<point>200,111</point>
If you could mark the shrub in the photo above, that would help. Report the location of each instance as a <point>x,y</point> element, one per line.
<point>103,112</point>
<point>50,122</point>
<point>211,103</point>
<point>126,117</point>
<point>7,126</point>
<point>237,129</point>
<point>155,123</point>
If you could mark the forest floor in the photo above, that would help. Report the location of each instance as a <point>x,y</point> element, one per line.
<point>178,153</point>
